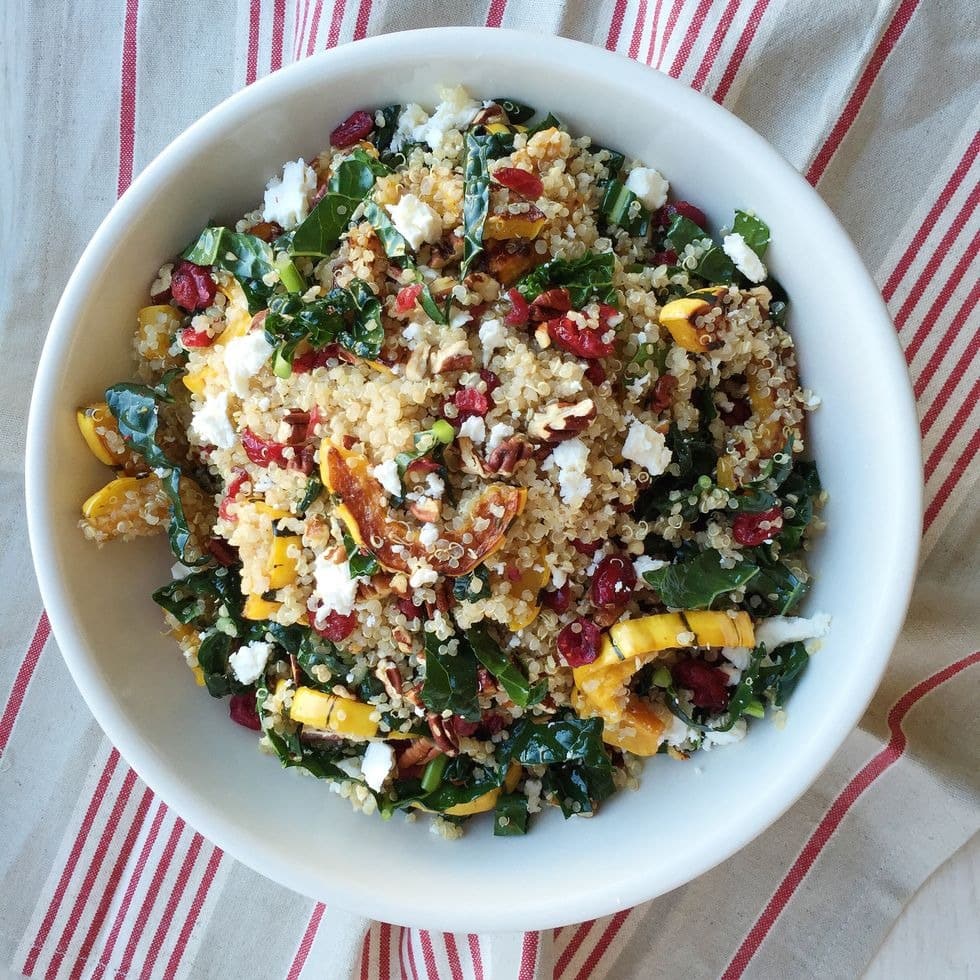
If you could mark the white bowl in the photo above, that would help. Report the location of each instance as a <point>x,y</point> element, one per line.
<point>685,818</point>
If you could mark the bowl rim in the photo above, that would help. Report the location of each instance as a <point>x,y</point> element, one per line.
<point>603,896</point>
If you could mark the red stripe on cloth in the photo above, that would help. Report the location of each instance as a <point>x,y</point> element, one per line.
<point>853,106</point>
<point>406,956</point>
<point>314,27</point>
<point>299,33</point>
<point>195,910</point>
<point>476,955</point>
<point>953,430</point>
<point>951,481</point>
<point>428,954</point>
<point>452,956</point>
<point>918,239</point>
<point>278,30</point>
<point>22,680</point>
<point>176,894</point>
<point>690,38</point>
<point>601,947</point>
<point>942,298</point>
<point>150,898</point>
<point>363,17</point>
<point>672,17</point>
<point>109,891</point>
<point>384,951</point>
<point>529,955</point>
<point>336,22</point>
<point>68,871</point>
<point>741,49</point>
<point>495,13</point>
<point>127,98</point>
<point>616,25</point>
<point>946,342</point>
<point>959,369</point>
<point>653,32</point>
<point>641,13</point>
<point>306,943</point>
<point>407,936</point>
<point>714,45</point>
<point>94,867</point>
<point>127,900</point>
<point>572,948</point>
<point>881,762</point>
<point>252,57</point>
<point>365,955</point>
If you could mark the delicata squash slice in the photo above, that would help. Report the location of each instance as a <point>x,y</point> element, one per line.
<point>364,509</point>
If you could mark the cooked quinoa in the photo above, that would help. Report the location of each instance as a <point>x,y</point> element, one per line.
<point>483,463</point>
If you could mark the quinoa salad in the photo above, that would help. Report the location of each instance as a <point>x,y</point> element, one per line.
<point>483,462</point>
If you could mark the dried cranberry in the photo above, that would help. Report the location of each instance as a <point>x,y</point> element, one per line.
<point>667,257</point>
<point>490,380</point>
<point>494,723</point>
<point>263,452</point>
<point>189,337</point>
<point>241,708</point>
<point>586,547</point>
<point>708,685</point>
<point>613,582</point>
<point>335,626</point>
<point>663,393</point>
<point>470,403</point>
<point>312,359</point>
<point>578,643</point>
<point>583,341</point>
<point>191,286</point>
<point>224,553</point>
<point>751,530</point>
<point>595,373</point>
<point>423,465</point>
<point>407,607</point>
<point>464,728</point>
<point>670,211</point>
<point>232,491</point>
<point>520,181</point>
<point>739,413</point>
<point>407,297</point>
<point>519,309</point>
<point>549,304</point>
<point>353,129</point>
<point>558,599</point>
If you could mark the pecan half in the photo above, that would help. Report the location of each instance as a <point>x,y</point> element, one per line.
<point>388,674</point>
<point>426,509</point>
<point>470,461</point>
<point>453,357</point>
<point>562,420</point>
<point>443,734</point>
<point>418,362</point>
<point>490,113</point>
<point>505,459</point>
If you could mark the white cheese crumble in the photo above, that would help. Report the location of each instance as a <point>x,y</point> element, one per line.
<point>778,630</point>
<point>646,446</point>
<point>386,474</point>
<point>473,428</point>
<point>287,198</point>
<point>735,734</point>
<point>493,334</point>
<point>378,761</point>
<point>210,423</point>
<point>248,661</point>
<point>416,221</point>
<point>335,589</point>
<point>571,458</point>
<point>737,656</point>
<point>649,186</point>
<point>423,575</point>
<point>746,261</point>
<point>647,564</point>
<point>429,535</point>
<point>244,358</point>
<point>498,433</point>
<point>435,486</point>
<point>456,111</point>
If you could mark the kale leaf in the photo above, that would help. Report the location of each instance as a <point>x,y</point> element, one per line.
<point>591,275</point>
<point>503,668</point>
<point>450,679</point>
<point>696,582</point>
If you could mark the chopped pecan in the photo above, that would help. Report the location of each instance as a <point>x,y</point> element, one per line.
<point>416,754</point>
<point>541,336</point>
<point>470,461</point>
<point>447,251</point>
<point>490,113</point>
<point>402,640</point>
<point>508,456</point>
<point>443,734</point>
<point>418,362</point>
<point>294,670</point>
<point>388,674</point>
<point>562,420</point>
<point>426,509</point>
<point>453,357</point>
<point>440,288</point>
<point>487,288</point>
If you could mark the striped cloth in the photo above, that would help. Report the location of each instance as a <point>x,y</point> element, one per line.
<point>876,102</point>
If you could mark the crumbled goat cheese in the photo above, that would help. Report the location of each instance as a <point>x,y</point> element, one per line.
<point>473,428</point>
<point>412,332</point>
<point>416,221</point>
<point>677,732</point>
<point>498,433</point>
<point>423,575</point>
<point>429,535</point>
<point>493,334</point>
<point>646,446</point>
<point>456,111</point>
<point>335,588</point>
<point>287,198</point>
<point>378,761</point>
<point>244,358</point>
<point>386,474</point>
<point>649,186</point>
<point>435,486</point>
<point>746,261</point>
<point>571,458</point>
<point>778,630</point>
<point>647,564</point>
<point>210,423</point>
<point>735,734</point>
<point>248,661</point>
<point>737,656</point>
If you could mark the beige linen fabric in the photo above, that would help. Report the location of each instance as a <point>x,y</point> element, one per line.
<point>877,103</point>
